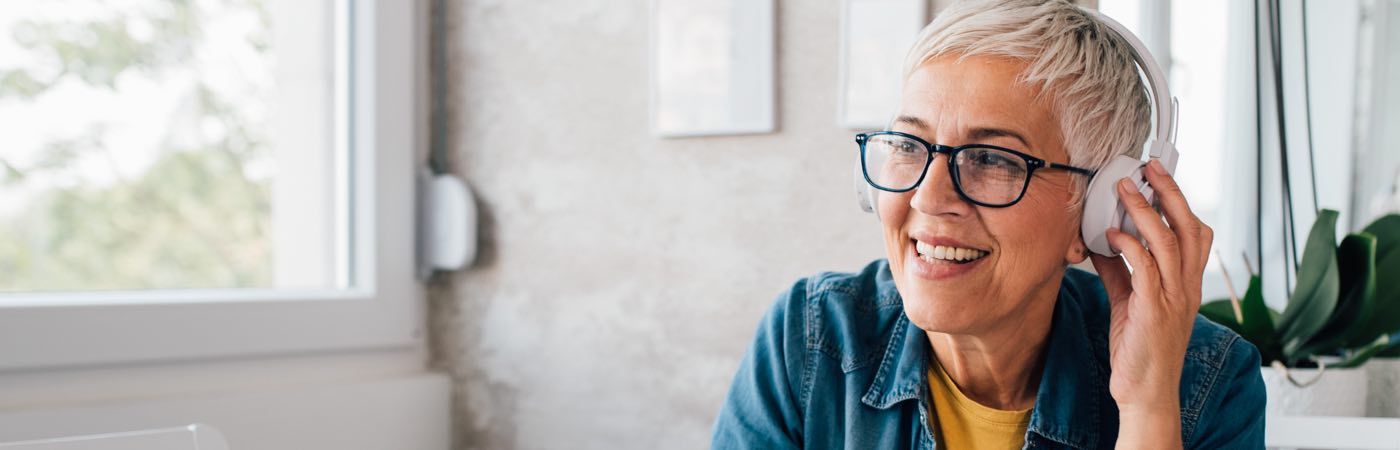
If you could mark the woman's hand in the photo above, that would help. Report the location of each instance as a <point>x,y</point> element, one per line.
<point>1153,309</point>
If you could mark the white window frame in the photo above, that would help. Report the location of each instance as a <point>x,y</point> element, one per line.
<point>384,309</point>
<point>1154,24</point>
<point>1155,18</point>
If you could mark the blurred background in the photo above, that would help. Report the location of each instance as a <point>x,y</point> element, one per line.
<point>208,209</point>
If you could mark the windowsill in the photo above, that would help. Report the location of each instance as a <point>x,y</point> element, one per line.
<point>345,401</point>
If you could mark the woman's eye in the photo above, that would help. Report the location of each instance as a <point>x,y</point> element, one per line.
<point>993,159</point>
<point>902,149</point>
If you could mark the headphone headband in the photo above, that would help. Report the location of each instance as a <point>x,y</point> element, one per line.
<point>1157,85</point>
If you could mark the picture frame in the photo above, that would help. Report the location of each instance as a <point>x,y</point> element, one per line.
<point>712,66</point>
<point>875,35</point>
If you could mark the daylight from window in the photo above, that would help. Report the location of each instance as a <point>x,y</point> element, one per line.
<point>145,141</point>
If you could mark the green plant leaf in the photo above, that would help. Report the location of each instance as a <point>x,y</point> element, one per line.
<point>1385,309</point>
<point>1356,267</point>
<point>1365,353</point>
<point>1387,232</point>
<point>1222,312</point>
<point>1315,296</point>
<point>1386,316</point>
<point>1258,326</point>
<point>1259,320</point>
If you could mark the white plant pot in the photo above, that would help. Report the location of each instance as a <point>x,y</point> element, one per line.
<point>1336,392</point>
<point>1384,379</point>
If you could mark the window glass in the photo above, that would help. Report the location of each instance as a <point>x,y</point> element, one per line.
<point>166,144</point>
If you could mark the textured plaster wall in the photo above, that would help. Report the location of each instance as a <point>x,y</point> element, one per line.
<point>623,274</point>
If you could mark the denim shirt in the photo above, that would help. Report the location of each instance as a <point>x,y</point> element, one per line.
<point>837,364</point>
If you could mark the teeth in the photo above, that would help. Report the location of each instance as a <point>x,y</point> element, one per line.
<point>932,252</point>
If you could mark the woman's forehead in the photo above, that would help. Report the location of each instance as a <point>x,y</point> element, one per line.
<point>976,98</point>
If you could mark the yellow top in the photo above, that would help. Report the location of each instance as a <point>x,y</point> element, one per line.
<point>960,423</point>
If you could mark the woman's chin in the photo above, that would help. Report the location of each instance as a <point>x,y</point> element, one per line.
<point>943,312</point>
<point>943,296</point>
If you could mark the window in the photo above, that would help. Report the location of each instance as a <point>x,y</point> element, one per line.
<point>1377,182</point>
<point>178,173</point>
<point>1209,122</point>
<point>1212,70</point>
<point>172,145</point>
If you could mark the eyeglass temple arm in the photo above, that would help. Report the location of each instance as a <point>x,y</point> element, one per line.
<point>1077,170</point>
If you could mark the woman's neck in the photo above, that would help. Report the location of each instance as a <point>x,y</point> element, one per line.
<point>1001,367</point>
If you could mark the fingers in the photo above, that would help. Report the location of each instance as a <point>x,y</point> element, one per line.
<point>1146,276</point>
<point>1166,250</point>
<point>1117,281</point>
<point>1207,239</point>
<point>1191,233</point>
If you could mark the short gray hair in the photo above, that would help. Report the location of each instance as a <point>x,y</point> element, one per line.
<point>1086,68</point>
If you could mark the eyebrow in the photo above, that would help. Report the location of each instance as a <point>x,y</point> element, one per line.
<point>912,121</point>
<point>975,134</point>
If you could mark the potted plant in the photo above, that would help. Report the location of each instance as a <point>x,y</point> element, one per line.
<point>1343,310</point>
<point>1384,370</point>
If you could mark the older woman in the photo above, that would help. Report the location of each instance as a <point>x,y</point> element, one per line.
<point>975,332</point>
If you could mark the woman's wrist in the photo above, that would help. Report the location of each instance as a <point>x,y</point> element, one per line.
<point>1150,427</point>
<point>1158,390</point>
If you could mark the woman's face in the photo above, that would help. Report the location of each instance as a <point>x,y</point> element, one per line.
<point>1026,245</point>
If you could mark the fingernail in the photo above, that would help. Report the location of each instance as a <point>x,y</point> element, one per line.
<point>1125,184</point>
<point>1110,233</point>
<point>1156,166</point>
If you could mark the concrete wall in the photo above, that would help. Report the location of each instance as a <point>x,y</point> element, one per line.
<point>623,275</point>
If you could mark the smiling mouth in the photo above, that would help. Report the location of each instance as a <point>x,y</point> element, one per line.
<point>946,254</point>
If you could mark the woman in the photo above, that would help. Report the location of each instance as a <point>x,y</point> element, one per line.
<point>975,333</point>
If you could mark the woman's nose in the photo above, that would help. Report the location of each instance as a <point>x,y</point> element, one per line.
<point>936,195</point>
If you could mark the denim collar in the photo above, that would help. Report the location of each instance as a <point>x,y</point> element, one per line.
<point>1073,387</point>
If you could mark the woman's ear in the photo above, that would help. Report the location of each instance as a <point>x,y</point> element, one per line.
<point>1077,251</point>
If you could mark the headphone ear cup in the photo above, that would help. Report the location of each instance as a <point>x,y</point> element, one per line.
<point>1102,208</point>
<point>865,194</point>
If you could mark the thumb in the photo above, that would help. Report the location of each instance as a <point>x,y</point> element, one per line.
<point>1117,281</point>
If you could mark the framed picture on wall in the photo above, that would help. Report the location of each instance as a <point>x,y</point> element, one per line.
<point>712,67</point>
<point>875,34</point>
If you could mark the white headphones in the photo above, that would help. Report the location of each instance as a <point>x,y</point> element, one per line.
<point>1102,210</point>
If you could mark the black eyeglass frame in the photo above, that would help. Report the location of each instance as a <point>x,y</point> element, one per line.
<point>1032,163</point>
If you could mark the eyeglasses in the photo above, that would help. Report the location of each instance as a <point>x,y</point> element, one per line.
<point>986,175</point>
